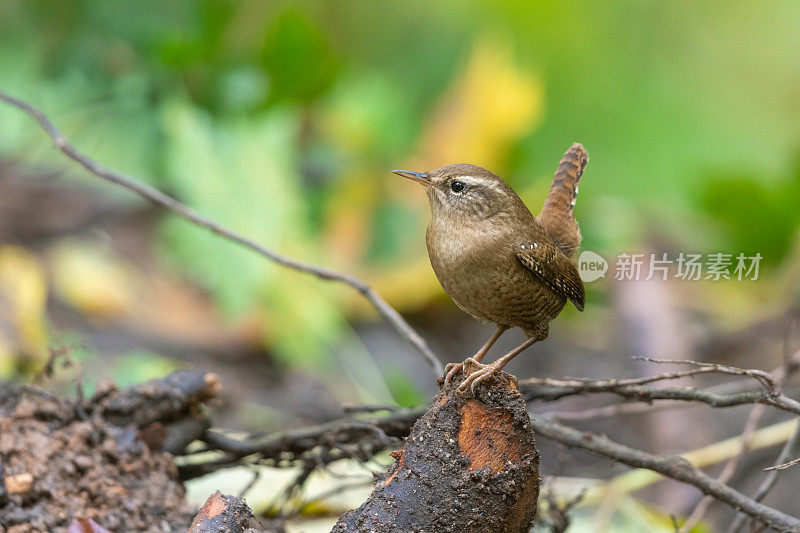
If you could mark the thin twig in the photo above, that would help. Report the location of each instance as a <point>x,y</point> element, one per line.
<point>730,467</point>
<point>705,369</point>
<point>780,375</point>
<point>756,413</point>
<point>158,198</point>
<point>302,440</point>
<point>250,484</point>
<point>558,512</point>
<point>761,375</point>
<point>548,390</point>
<point>783,466</point>
<point>789,448</point>
<point>673,467</point>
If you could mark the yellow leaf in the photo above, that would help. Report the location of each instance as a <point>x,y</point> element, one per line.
<point>346,217</point>
<point>23,296</point>
<point>93,280</point>
<point>409,287</point>
<point>493,103</point>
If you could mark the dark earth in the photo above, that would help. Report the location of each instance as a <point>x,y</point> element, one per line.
<point>59,464</point>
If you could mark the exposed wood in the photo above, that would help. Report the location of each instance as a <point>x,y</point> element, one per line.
<point>469,465</point>
<point>227,514</point>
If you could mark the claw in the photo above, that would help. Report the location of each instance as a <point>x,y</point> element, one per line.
<point>484,375</point>
<point>471,361</point>
<point>451,370</point>
<point>454,368</point>
<point>477,376</point>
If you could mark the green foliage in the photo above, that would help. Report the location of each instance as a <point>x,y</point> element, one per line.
<point>281,120</point>
<point>138,367</point>
<point>241,173</point>
<point>404,391</point>
<point>298,58</point>
<point>759,215</point>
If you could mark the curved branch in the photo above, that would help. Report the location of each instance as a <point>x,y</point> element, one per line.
<point>673,467</point>
<point>547,390</point>
<point>297,441</point>
<point>789,448</point>
<point>159,199</point>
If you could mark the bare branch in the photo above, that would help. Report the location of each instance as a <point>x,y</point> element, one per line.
<point>783,466</point>
<point>789,448</point>
<point>345,434</point>
<point>730,467</point>
<point>159,199</point>
<point>548,389</point>
<point>634,407</point>
<point>706,369</point>
<point>378,431</point>
<point>779,374</point>
<point>761,375</point>
<point>750,426</point>
<point>342,438</point>
<point>674,467</point>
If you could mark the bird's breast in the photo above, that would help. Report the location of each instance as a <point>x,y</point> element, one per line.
<point>470,264</point>
<point>477,267</point>
<point>454,248</point>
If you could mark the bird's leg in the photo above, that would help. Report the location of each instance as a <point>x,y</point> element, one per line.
<point>487,370</point>
<point>453,368</point>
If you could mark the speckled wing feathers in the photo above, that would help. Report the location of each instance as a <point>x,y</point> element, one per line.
<point>554,269</point>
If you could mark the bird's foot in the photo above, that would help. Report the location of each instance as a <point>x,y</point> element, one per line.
<point>483,373</point>
<point>451,370</point>
<point>454,368</point>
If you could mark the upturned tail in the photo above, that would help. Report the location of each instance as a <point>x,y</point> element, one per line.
<point>557,216</point>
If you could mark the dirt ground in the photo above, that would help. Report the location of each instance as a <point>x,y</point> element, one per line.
<point>59,463</point>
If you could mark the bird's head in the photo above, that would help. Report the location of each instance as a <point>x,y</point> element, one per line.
<point>464,190</point>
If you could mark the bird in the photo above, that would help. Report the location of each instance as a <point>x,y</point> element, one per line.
<point>496,260</point>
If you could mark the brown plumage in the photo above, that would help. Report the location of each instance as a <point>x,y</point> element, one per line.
<point>496,260</point>
<point>556,215</point>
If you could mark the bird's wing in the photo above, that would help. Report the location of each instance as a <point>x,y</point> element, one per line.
<point>553,269</point>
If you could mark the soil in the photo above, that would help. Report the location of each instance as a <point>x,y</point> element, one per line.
<point>59,464</point>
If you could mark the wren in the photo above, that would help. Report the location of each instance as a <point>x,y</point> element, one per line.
<point>496,260</point>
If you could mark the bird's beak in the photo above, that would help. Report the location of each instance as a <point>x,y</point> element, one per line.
<point>419,177</point>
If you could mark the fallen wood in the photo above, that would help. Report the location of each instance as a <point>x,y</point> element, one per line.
<point>158,400</point>
<point>228,514</point>
<point>469,465</point>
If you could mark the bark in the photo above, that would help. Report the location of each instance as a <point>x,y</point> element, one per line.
<point>469,465</point>
<point>159,400</point>
<point>228,514</point>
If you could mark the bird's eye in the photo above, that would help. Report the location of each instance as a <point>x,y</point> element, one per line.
<point>457,186</point>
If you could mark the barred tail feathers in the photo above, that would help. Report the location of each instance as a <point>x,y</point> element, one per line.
<point>557,216</point>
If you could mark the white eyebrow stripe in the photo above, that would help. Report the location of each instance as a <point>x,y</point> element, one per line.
<point>480,181</point>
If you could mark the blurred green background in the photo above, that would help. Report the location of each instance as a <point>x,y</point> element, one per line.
<point>281,120</point>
